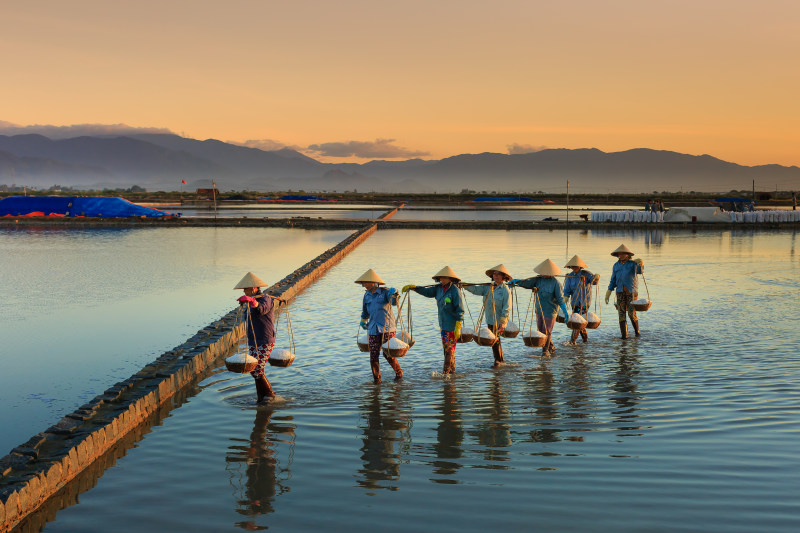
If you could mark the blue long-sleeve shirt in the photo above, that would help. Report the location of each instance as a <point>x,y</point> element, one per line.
<point>501,301</point>
<point>261,324</point>
<point>550,296</point>
<point>578,288</point>
<point>451,308</point>
<point>623,277</point>
<point>377,306</point>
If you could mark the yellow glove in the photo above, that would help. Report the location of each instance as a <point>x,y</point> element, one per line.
<point>608,295</point>
<point>457,332</point>
<point>408,288</point>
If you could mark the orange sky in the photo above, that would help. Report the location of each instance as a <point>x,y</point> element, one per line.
<point>429,78</point>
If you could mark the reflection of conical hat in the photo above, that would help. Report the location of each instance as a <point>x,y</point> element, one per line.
<point>547,268</point>
<point>447,272</point>
<point>250,280</point>
<point>370,276</point>
<point>622,250</point>
<point>576,262</point>
<point>499,268</point>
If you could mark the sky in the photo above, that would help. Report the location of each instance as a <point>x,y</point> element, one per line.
<point>359,80</point>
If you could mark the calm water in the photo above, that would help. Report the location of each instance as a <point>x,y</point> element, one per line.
<point>336,211</point>
<point>693,427</point>
<point>82,310</point>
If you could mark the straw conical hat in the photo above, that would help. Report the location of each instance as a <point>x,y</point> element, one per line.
<point>250,280</point>
<point>622,250</point>
<point>499,268</point>
<point>576,262</point>
<point>370,276</point>
<point>547,268</point>
<point>447,272</point>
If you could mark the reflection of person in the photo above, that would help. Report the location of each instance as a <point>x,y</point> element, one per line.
<point>449,433</point>
<point>578,288</point>
<point>377,318</point>
<point>550,299</point>
<point>451,311</point>
<point>794,201</point>
<point>624,282</point>
<point>497,304</point>
<point>385,426</point>
<point>260,329</point>
<point>495,432</point>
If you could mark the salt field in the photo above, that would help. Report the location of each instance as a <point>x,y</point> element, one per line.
<point>83,309</point>
<point>692,427</point>
<point>507,212</point>
<point>333,211</point>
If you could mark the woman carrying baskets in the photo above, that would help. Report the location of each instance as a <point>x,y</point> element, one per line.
<point>451,311</point>
<point>550,299</point>
<point>578,288</point>
<point>624,282</point>
<point>260,328</point>
<point>377,318</point>
<point>497,305</point>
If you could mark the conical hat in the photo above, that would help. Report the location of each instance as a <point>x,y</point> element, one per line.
<point>576,262</point>
<point>370,276</point>
<point>250,280</point>
<point>447,272</point>
<point>499,268</point>
<point>622,250</point>
<point>547,268</point>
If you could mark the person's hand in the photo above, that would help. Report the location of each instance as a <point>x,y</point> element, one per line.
<point>635,295</point>
<point>363,323</point>
<point>513,282</point>
<point>595,279</point>
<point>281,301</point>
<point>608,295</point>
<point>638,262</point>
<point>457,331</point>
<point>409,288</point>
<point>248,299</point>
<point>391,291</point>
<point>566,313</point>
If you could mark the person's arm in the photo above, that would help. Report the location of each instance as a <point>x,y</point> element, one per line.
<point>427,292</point>
<point>612,283</point>
<point>505,309</point>
<point>364,312</point>
<point>477,290</point>
<point>458,306</point>
<point>265,305</point>
<point>529,283</point>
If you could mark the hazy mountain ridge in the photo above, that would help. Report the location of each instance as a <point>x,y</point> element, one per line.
<point>161,161</point>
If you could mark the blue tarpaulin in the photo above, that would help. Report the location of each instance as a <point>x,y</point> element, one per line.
<point>504,199</point>
<point>302,198</point>
<point>75,206</point>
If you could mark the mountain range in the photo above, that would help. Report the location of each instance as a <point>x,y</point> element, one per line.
<point>159,161</point>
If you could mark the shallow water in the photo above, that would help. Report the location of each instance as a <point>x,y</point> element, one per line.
<point>83,309</point>
<point>510,212</point>
<point>692,427</point>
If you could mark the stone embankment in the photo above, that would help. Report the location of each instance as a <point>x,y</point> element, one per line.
<point>43,466</point>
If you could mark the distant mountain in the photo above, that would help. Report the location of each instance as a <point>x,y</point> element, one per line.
<point>160,161</point>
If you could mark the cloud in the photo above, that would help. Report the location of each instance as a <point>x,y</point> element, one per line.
<point>268,145</point>
<point>378,149</point>
<point>524,148</point>
<point>76,130</point>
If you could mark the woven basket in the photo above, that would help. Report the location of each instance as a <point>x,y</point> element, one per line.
<point>394,352</point>
<point>560,319</point>
<point>483,341</point>
<point>363,346</point>
<point>282,362</point>
<point>406,338</point>
<point>511,331</point>
<point>642,307</point>
<point>534,342</point>
<point>467,335</point>
<point>593,325</point>
<point>241,368</point>
<point>577,325</point>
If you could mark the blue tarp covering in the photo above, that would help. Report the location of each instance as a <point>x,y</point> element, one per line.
<point>302,198</point>
<point>74,206</point>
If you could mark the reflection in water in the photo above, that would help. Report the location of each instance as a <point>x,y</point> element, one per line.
<point>264,478</point>
<point>449,435</point>
<point>545,403</point>
<point>626,396</point>
<point>495,433</point>
<point>385,425</point>
<point>577,388</point>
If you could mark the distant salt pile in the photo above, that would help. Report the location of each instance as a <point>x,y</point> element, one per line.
<point>241,363</point>
<point>281,357</point>
<point>642,304</point>
<point>485,337</point>
<point>511,331</point>
<point>576,321</point>
<point>534,339</point>
<point>394,347</point>
<point>594,321</point>
<point>467,335</point>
